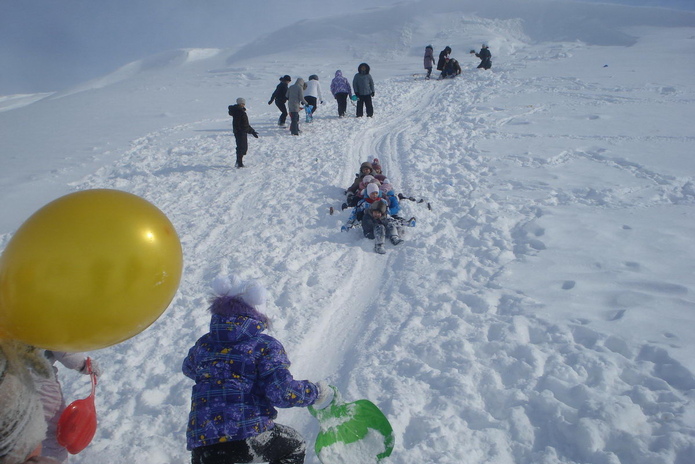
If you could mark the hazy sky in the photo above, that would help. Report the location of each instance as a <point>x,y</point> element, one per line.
<point>48,45</point>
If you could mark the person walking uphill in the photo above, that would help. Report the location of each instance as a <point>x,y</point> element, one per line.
<point>280,98</point>
<point>295,100</point>
<point>312,94</point>
<point>341,90</point>
<point>241,126</point>
<point>363,86</point>
<point>241,375</point>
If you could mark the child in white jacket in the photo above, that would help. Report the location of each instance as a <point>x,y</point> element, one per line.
<point>312,94</point>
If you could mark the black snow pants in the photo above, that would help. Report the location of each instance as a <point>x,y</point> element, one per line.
<point>283,112</point>
<point>362,102</point>
<point>281,445</point>
<point>341,98</point>
<point>242,146</point>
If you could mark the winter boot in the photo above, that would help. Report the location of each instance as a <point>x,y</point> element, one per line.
<point>379,248</point>
<point>395,239</point>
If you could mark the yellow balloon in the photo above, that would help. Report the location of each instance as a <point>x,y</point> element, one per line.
<point>88,270</point>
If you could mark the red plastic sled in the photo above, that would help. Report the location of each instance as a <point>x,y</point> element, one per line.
<point>78,423</point>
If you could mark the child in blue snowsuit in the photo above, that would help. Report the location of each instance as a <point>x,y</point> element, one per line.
<point>241,375</point>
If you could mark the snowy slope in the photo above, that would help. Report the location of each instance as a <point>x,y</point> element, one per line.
<point>542,312</point>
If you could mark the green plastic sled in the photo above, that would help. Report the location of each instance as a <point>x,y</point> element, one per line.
<point>352,433</point>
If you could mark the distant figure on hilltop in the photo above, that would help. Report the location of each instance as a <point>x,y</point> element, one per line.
<point>241,126</point>
<point>443,58</point>
<point>485,57</point>
<point>363,85</point>
<point>280,98</point>
<point>451,69</point>
<point>341,90</point>
<point>429,60</point>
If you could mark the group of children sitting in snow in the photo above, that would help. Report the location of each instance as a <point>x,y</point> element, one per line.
<point>376,206</point>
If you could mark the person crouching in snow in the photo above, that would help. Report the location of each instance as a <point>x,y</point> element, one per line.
<point>241,375</point>
<point>377,225</point>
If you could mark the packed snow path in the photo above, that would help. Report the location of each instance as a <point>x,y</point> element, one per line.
<point>464,367</point>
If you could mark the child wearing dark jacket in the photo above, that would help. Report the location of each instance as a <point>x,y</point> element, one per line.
<point>377,225</point>
<point>241,375</point>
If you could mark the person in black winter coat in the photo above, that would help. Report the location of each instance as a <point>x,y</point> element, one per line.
<point>280,98</point>
<point>241,127</point>
<point>443,57</point>
<point>485,58</point>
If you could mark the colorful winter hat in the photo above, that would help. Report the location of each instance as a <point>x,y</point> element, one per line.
<point>22,425</point>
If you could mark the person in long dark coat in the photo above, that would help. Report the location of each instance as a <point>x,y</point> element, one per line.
<point>443,57</point>
<point>241,127</point>
<point>280,98</point>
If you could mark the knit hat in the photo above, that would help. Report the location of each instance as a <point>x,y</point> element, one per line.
<point>240,101</point>
<point>250,292</point>
<point>367,179</point>
<point>371,188</point>
<point>22,425</point>
<point>286,78</point>
<point>378,206</point>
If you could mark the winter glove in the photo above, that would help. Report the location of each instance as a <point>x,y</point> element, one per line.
<point>372,94</point>
<point>96,370</point>
<point>325,396</point>
<point>255,134</point>
<point>270,102</point>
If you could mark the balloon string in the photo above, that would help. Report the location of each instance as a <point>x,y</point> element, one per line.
<point>92,376</point>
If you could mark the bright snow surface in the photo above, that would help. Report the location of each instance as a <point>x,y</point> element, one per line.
<point>541,312</point>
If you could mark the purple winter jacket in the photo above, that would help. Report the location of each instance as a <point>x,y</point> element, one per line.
<point>340,84</point>
<point>240,375</point>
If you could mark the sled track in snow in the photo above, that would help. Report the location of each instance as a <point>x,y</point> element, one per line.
<point>489,375</point>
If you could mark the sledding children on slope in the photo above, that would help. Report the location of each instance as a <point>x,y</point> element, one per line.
<point>241,375</point>
<point>370,194</point>
<point>352,192</point>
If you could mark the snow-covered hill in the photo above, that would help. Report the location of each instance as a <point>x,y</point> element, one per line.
<point>541,312</point>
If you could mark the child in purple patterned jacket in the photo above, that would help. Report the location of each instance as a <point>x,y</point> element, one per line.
<point>241,374</point>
